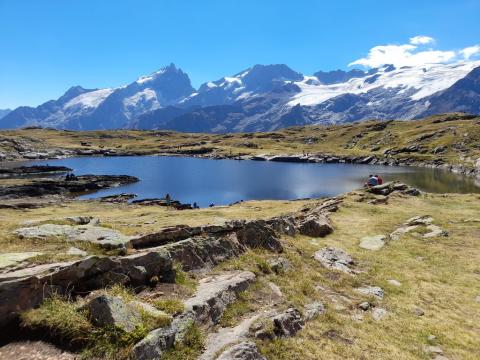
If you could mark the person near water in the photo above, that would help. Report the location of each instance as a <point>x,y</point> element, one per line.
<point>372,181</point>
<point>379,179</point>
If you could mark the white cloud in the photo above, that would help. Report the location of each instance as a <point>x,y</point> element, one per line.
<point>470,51</point>
<point>413,54</point>
<point>421,40</point>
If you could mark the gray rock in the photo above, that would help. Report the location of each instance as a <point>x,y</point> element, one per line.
<point>279,265</point>
<point>246,350</point>
<point>155,344</point>
<point>214,293</point>
<point>315,226</point>
<point>371,291</point>
<point>394,282</point>
<point>435,231</point>
<point>364,305</point>
<point>106,310</point>
<point>257,234</point>
<point>313,310</point>
<point>102,236</point>
<point>419,220</point>
<point>379,313</point>
<point>79,220</point>
<point>283,225</point>
<point>373,242</point>
<point>418,312</point>
<point>76,252</point>
<point>334,258</point>
<point>287,323</point>
<point>8,260</point>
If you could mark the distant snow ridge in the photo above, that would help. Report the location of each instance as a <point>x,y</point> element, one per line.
<point>261,98</point>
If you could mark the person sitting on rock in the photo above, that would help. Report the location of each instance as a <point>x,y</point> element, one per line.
<point>372,181</point>
<point>379,179</point>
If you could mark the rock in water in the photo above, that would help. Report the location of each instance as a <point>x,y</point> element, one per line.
<point>373,242</point>
<point>334,258</point>
<point>246,350</point>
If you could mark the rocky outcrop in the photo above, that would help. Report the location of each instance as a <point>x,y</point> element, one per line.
<point>336,259</point>
<point>315,226</point>
<point>81,184</point>
<point>36,169</point>
<point>214,294</point>
<point>390,187</point>
<point>246,350</point>
<point>104,237</point>
<point>107,310</point>
<point>25,289</point>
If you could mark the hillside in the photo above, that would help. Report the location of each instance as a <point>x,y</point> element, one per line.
<point>442,141</point>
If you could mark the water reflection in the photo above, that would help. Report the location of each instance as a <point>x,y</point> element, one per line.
<point>226,181</point>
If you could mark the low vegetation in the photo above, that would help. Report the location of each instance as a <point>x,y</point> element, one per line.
<point>449,138</point>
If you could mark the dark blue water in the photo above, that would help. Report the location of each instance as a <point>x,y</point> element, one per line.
<point>225,181</point>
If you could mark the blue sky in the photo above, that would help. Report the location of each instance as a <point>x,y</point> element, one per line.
<point>46,46</point>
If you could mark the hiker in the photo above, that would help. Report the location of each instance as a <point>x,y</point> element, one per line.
<point>372,181</point>
<point>195,206</point>
<point>168,199</point>
<point>379,180</point>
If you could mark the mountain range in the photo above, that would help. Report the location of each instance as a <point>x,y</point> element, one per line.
<point>261,98</point>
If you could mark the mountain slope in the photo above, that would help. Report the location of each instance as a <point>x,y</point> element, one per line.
<point>4,112</point>
<point>262,98</point>
<point>94,109</point>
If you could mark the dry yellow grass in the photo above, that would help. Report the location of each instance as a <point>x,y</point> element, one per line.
<point>460,136</point>
<point>439,275</point>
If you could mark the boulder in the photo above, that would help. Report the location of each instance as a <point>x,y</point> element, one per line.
<point>334,258</point>
<point>246,350</point>
<point>435,231</point>
<point>279,265</point>
<point>375,291</point>
<point>287,323</point>
<point>394,282</point>
<point>313,310</point>
<point>373,242</point>
<point>106,310</point>
<point>379,313</point>
<point>315,226</point>
<point>155,344</point>
<point>257,234</point>
<point>214,293</point>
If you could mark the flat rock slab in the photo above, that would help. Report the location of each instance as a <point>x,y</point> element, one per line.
<point>375,291</point>
<point>15,259</point>
<point>34,350</point>
<point>373,242</point>
<point>336,259</point>
<point>227,336</point>
<point>99,235</point>
<point>246,350</point>
<point>214,293</point>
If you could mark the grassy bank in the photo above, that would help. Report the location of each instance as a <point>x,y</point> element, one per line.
<point>450,138</point>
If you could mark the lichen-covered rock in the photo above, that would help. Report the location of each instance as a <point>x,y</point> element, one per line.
<point>334,258</point>
<point>155,344</point>
<point>375,291</point>
<point>279,265</point>
<point>287,323</point>
<point>313,310</point>
<point>246,350</point>
<point>106,310</point>
<point>373,242</point>
<point>315,226</point>
<point>257,234</point>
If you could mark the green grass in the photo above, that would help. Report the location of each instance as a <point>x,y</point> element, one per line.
<point>170,306</point>
<point>191,346</point>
